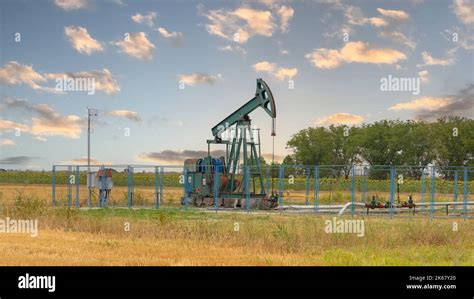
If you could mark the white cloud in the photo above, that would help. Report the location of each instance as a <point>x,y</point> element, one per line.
<point>424,76</point>
<point>7,142</point>
<point>355,16</point>
<point>264,66</point>
<point>286,14</point>
<point>69,126</point>
<point>147,19</point>
<point>273,69</point>
<point>196,78</point>
<point>240,24</point>
<point>39,138</point>
<point>286,73</point>
<point>137,45</point>
<point>430,60</point>
<point>399,37</point>
<point>11,126</point>
<point>464,10</point>
<point>425,103</point>
<point>68,5</point>
<point>45,120</point>
<point>377,22</point>
<point>14,73</point>
<point>235,48</point>
<point>104,80</point>
<point>398,15</point>
<point>81,41</point>
<point>358,52</point>
<point>131,115</point>
<point>340,118</point>
<point>174,37</point>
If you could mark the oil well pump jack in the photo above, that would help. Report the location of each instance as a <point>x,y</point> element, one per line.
<point>238,175</point>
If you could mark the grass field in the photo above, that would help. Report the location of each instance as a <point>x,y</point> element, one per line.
<point>172,236</point>
<point>175,237</point>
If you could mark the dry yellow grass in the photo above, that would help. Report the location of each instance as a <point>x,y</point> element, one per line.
<point>177,237</point>
<point>203,238</point>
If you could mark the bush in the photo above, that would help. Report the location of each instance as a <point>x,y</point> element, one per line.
<point>28,206</point>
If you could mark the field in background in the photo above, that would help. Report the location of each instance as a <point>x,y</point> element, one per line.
<point>331,190</point>
<point>145,196</point>
<point>172,179</point>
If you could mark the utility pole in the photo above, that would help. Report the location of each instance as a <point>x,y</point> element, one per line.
<point>93,113</point>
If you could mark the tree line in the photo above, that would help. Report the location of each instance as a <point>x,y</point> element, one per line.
<point>447,142</point>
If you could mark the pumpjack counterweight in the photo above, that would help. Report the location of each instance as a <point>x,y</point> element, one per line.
<point>241,154</point>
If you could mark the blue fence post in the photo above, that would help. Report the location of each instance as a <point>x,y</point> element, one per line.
<point>353,187</point>
<point>102,187</point>
<point>157,200</point>
<point>280,186</point>
<point>433,190</point>
<point>247,188</point>
<point>455,187</point>
<point>364,186</point>
<point>53,185</point>
<point>130,186</point>
<point>392,189</point>
<point>423,190</point>
<point>216,188</point>
<point>78,185</point>
<point>69,186</point>
<point>162,178</point>
<point>465,193</point>
<point>308,173</point>
<point>185,184</point>
<point>316,188</point>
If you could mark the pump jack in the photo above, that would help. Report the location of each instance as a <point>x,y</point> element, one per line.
<point>231,169</point>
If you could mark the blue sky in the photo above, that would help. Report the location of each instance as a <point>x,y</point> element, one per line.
<point>333,54</point>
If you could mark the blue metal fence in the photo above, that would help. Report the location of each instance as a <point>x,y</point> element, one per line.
<point>322,188</point>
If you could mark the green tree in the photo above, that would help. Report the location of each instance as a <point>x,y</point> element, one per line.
<point>311,146</point>
<point>454,142</point>
<point>381,143</point>
<point>344,147</point>
<point>417,147</point>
